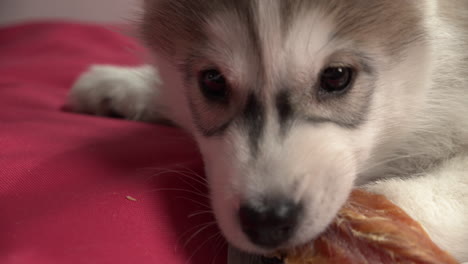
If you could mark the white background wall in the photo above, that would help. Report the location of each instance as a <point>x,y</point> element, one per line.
<point>82,10</point>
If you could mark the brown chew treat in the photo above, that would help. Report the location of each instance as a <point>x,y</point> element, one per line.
<point>370,229</point>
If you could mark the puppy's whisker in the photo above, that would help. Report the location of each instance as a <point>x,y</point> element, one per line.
<point>195,202</point>
<point>205,227</point>
<point>200,247</point>
<point>179,190</point>
<point>192,185</point>
<point>189,174</point>
<point>194,173</point>
<point>185,177</point>
<point>221,243</point>
<point>205,212</point>
<point>190,230</point>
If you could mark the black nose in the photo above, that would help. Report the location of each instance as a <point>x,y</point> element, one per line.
<point>270,224</point>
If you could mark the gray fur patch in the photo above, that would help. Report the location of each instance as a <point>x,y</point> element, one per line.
<point>253,120</point>
<point>284,108</point>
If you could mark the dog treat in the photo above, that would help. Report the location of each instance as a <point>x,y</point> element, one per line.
<point>371,229</point>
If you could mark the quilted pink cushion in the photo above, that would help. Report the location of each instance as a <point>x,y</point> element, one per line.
<point>84,189</point>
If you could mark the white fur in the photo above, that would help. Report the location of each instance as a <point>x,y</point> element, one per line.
<point>127,90</point>
<point>438,200</point>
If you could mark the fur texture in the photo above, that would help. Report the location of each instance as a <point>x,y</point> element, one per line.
<point>400,131</point>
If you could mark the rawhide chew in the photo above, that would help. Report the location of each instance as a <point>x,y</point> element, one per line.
<point>370,229</point>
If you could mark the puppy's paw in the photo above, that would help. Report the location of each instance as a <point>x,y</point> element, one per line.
<point>432,200</point>
<point>395,190</point>
<point>126,92</point>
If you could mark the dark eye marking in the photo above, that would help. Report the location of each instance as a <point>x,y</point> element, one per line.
<point>284,106</point>
<point>254,120</point>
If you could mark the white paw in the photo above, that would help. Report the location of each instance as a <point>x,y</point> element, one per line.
<point>434,203</point>
<point>128,92</point>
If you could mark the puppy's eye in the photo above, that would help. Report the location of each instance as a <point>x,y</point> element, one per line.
<point>214,86</point>
<point>336,79</point>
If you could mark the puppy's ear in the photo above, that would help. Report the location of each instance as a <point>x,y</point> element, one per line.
<point>169,25</point>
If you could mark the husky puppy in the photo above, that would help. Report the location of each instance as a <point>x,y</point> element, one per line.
<point>295,102</point>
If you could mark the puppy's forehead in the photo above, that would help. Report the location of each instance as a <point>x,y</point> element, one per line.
<point>386,22</point>
<point>172,23</point>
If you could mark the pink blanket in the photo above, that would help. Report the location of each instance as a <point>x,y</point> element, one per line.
<point>84,189</point>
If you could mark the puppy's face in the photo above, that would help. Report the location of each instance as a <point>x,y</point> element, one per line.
<point>287,100</point>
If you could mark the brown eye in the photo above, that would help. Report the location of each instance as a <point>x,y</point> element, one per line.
<point>336,79</point>
<point>214,86</point>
